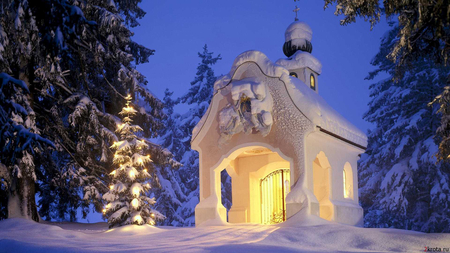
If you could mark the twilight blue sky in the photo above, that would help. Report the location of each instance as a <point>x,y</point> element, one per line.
<point>177,30</point>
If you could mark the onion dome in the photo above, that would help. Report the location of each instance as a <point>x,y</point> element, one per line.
<point>298,36</point>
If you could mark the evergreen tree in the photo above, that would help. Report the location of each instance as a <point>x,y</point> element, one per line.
<point>401,184</point>
<point>177,139</point>
<point>199,95</point>
<point>423,34</point>
<point>169,193</point>
<point>76,59</point>
<point>423,26</point>
<point>443,132</point>
<point>127,198</point>
<point>19,141</point>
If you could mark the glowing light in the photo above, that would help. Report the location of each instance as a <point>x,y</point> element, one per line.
<point>148,185</point>
<point>345,185</point>
<point>113,173</point>
<point>135,203</point>
<point>136,191</point>
<point>140,160</point>
<point>104,211</point>
<point>138,218</point>
<point>131,174</point>
<point>151,223</point>
<point>108,206</point>
<point>152,215</point>
<point>145,170</point>
<point>111,187</point>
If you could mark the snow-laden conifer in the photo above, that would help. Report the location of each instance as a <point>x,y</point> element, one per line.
<point>127,198</point>
<point>401,183</point>
<point>178,138</point>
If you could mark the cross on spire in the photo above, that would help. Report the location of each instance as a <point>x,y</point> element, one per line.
<point>296,12</point>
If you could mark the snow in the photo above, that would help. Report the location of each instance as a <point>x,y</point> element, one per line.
<point>299,234</point>
<point>298,30</point>
<point>311,104</point>
<point>320,113</point>
<point>301,60</point>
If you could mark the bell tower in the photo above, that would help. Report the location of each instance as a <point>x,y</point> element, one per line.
<point>298,47</point>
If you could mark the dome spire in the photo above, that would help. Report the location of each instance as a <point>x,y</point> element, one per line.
<point>296,10</point>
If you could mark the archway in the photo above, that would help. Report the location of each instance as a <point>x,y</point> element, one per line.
<point>248,168</point>
<point>321,182</point>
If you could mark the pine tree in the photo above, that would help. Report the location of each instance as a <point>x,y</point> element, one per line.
<point>423,33</point>
<point>19,141</point>
<point>76,59</point>
<point>423,26</point>
<point>127,200</point>
<point>169,195</point>
<point>199,95</point>
<point>401,183</point>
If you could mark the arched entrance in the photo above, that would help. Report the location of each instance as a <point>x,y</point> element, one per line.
<point>260,180</point>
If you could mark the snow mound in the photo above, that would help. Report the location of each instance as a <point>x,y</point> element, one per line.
<point>299,233</point>
<point>132,230</point>
<point>304,219</point>
<point>266,65</point>
<point>301,60</point>
<point>298,30</point>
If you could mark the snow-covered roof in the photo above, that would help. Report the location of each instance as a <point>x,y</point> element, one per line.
<point>311,104</point>
<point>298,30</point>
<point>301,60</point>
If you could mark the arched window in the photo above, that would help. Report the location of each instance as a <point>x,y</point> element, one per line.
<point>293,74</point>
<point>347,181</point>
<point>312,82</point>
<point>345,185</point>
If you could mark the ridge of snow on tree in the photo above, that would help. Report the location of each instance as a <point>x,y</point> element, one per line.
<point>127,200</point>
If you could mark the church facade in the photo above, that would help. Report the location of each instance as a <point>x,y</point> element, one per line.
<point>287,151</point>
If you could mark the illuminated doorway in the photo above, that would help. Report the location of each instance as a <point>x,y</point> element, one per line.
<point>274,188</point>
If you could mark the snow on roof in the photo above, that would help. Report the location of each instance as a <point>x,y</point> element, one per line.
<point>301,60</point>
<point>298,30</point>
<point>311,104</point>
<point>321,113</point>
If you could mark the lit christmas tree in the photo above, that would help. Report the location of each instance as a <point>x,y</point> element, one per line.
<point>127,200</point>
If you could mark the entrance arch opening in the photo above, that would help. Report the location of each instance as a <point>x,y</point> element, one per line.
<point>260,181</point>
<point>321,182</point>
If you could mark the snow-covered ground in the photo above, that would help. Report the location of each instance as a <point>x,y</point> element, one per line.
<point>295,235</point>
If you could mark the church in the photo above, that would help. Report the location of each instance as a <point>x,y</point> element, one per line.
<point>287,151</point>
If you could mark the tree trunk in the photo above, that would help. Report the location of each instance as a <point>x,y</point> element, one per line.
<point>21,199</point>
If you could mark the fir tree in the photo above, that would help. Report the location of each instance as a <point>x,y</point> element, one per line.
<point>127,200</point>
<point>423,26</point>
<point>423,33</point>
<point>19,141</point>
<point>199,95</point>
<point>76,59</point>
<point>443,132</point>
<point>401,184</point>
<point>170,195</point>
